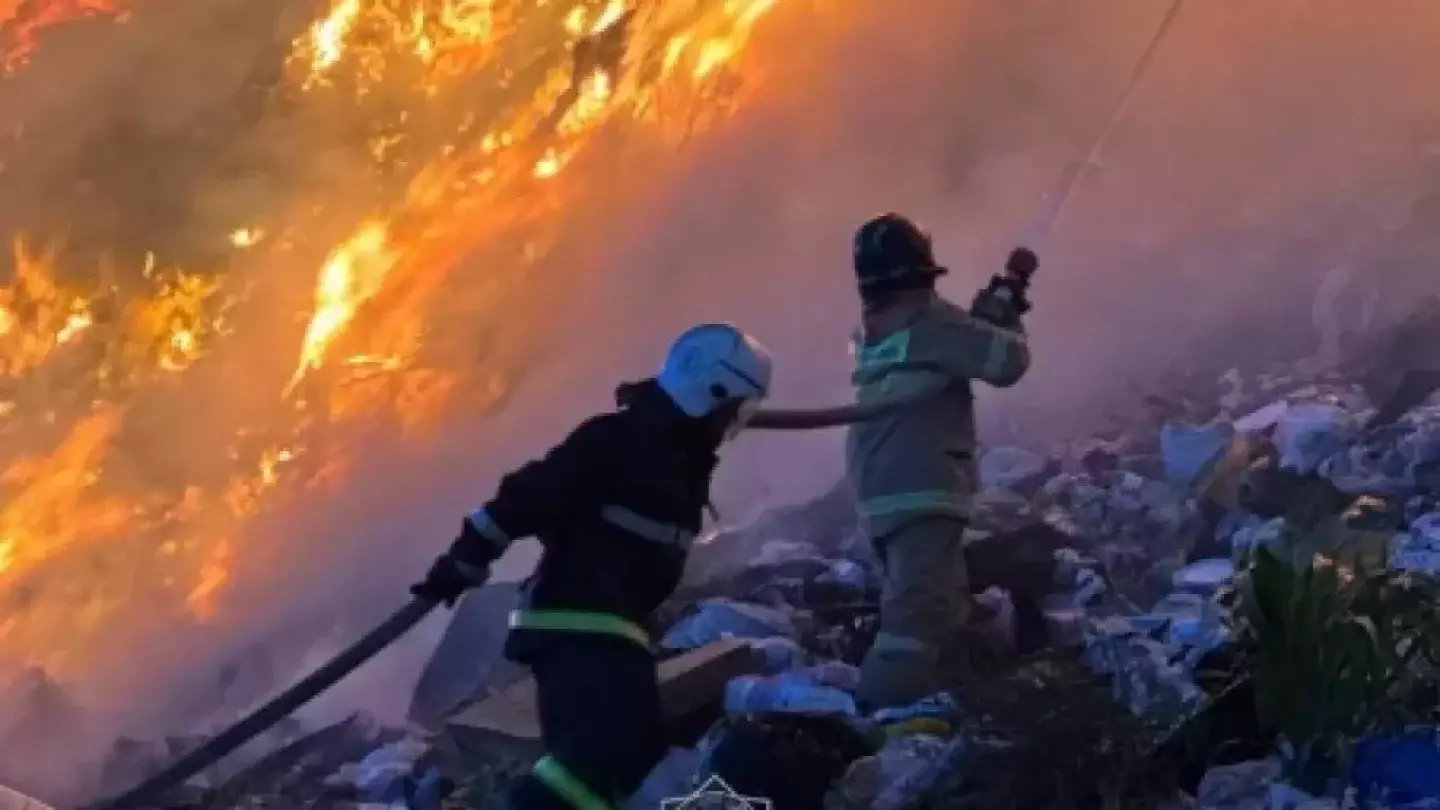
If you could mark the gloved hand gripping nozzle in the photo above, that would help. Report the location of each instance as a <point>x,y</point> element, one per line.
<point>1007,296</point>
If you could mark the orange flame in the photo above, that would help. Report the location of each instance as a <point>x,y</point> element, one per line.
<point>47,511</point>
<point>22,22</point>
<point>541,83</point>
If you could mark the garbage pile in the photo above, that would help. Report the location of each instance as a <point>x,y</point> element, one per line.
<point>1114,552</point>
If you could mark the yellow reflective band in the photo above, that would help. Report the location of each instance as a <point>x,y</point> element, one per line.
<point>559,779</point>
<point>913,501</point>
<point>579,621</point>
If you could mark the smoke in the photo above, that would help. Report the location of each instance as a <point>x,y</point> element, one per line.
<point>1261,151</point>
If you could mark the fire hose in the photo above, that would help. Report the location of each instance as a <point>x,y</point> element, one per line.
<point>151,791</point>
<point>1015,274</point>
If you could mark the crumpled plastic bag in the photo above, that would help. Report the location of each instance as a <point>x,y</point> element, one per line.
<point>382,773</point>
<point>1011,468</point>
<point>1187,449</point>
<point>718,619</point>
<point>1204,577</point>
<point>1254,785</point>
<point>787,693</point>
<point>846,574</point>
<point>1241,786</point>
<point>1151,672</point>
<point>1419,549</point>
<point>1079,576</point>
<point>940,706</point>
<point>835,674</point>
<point>1404,769</point>
<point>1256,534</point>
<point>901,775</point>
<point>779,654</point>
<point>1310,433</point>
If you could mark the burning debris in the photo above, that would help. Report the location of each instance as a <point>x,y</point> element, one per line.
<point>476,126</point>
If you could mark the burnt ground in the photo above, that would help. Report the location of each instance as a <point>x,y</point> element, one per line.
<point>1051,735</point>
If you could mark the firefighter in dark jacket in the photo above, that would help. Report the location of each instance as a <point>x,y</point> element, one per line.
<point>616,506</point>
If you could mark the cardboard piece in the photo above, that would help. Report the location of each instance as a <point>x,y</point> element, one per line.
<point>508,723</point>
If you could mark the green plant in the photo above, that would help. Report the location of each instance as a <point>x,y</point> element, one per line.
<point>1404,609</point>
<point>1334,654</point>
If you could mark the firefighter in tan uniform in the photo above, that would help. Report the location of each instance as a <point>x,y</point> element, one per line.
<point>911,448</point>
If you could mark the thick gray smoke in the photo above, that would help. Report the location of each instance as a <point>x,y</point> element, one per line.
<point>1266,147</point>
<point>1229,190</point>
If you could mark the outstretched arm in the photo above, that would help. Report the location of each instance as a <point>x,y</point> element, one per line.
<point>844,414</point>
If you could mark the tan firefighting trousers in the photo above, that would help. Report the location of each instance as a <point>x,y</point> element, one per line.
<point>925,606</point>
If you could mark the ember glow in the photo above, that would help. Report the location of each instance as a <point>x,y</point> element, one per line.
<point>481,121</point>
<point>23,22</point>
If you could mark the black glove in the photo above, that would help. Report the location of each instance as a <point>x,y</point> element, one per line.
<point>1020,267</point>
<point>1006,297</point>
<point>466,565</point>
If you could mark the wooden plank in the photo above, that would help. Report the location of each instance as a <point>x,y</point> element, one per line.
<point>509,719</point>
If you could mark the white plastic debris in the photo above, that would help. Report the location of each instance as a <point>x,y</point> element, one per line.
<point>1151,670</point>
<point>1242,786</point>
<point>1187,449</point>
<point>787,694</point>
<point>718,619</point>
<point>1010,468</point>
<point>778,654</point>
<point>999,627</point>
<point>1254,785</point>
<point>382,768</point>
<point>940,705</point>
<point>1263,420</point>
<point>846,573</point>
<point>835,674</point>
<point>1078,576</point>
<point>900,775</point>
<point>1288,797</point>
<point>1310,433</point>
<point>1065,625</point>
<point>1257,534</point>
<point>1419,549</point>
<point>1204,577</point>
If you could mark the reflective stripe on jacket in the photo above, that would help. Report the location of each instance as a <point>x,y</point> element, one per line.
<point>579,621</point>
<point>921,460</point>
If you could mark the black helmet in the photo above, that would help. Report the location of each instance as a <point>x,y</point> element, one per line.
<point>892,253</point>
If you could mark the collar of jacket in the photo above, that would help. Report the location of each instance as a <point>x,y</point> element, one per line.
<point>882,321</point>
<point>650,403</point>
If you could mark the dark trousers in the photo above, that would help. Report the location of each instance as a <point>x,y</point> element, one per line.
<point>601,721</point>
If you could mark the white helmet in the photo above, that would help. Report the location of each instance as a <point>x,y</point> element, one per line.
<point>712,363</point>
